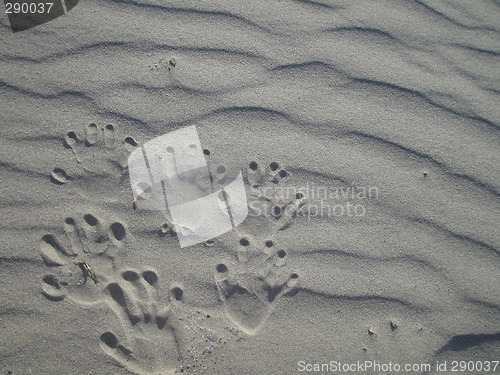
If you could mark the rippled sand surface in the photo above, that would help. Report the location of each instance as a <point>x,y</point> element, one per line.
<point>368,137</point>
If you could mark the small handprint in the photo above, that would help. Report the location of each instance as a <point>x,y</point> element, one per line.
<point>251,284</point>
<point>99,151</point>
<point>250,288</point>
<point>273,202</point>
<point>99,164</point>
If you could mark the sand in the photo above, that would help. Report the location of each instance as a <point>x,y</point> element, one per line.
<point>367,136</point>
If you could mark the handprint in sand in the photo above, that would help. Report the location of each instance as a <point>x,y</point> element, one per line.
<point>252,281</point>
<point>81,260</point>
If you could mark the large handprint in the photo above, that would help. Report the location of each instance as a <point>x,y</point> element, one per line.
<point>81,260</point>
<point>150,344</point>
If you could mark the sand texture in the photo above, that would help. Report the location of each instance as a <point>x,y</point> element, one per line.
<point>367,133</point>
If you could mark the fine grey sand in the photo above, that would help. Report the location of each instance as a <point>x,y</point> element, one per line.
<point>367,134</point>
